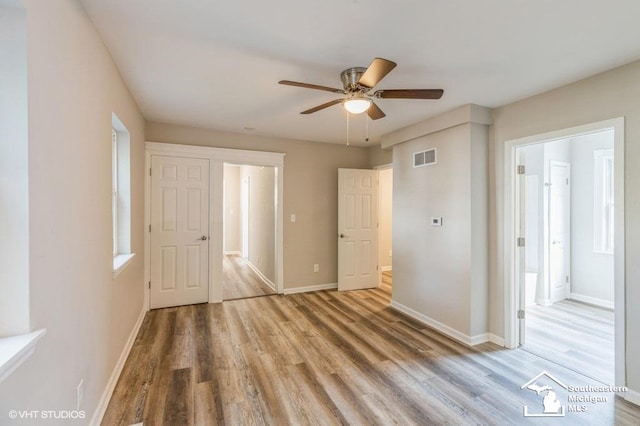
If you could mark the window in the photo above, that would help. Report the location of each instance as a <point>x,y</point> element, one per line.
<point>603,207</point>
<point>114,189</point>
<point>120,196</point>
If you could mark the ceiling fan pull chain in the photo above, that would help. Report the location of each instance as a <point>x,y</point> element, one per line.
<point>366,128</point>
<point>348,128</point>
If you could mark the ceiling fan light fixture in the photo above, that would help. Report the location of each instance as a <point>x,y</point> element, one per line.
<point>357,106</point>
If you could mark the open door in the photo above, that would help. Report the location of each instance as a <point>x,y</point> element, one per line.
<point>357,229</point>
<point>559,227</point>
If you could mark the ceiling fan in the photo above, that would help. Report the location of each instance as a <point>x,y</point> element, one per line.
<point>358,82</point>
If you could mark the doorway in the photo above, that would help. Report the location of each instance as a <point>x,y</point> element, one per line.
<point>213,199</point>
<point>385,227</point>
<point>249,256</point>
<point>569,293</point>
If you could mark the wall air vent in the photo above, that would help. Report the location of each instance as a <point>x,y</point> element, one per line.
<point>424,158</point>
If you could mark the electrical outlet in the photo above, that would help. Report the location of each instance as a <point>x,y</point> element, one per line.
<point>316,267</point>
<point>293,218</point>
<point>390,253</point>
<point>79,394</point>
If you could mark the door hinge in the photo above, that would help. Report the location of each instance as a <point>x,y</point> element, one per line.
<point>520,241</point>
<point>149,228</point>
<point>376,267</point>
<point>520,313</point>
<point>149,284</point>
<point>520,169</point>
<point>149,171</point>
<point>567,180</point>
<point>566,279</point>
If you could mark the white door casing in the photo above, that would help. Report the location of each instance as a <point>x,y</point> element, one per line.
<point>521,221</point>
<point>244,209</point>
<point>559,230</point>
<point>179,231</point>
<point>508,264</point>
<point>357,229</point>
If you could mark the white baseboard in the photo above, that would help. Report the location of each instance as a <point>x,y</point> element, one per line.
<point>98,414</point>
<point>232,253</point>
<point>319,287</point>
<point>592,300</point>
<point>496,339</point>
<point>544,302</point>
<point>260,275</point>
<point>386,268</point>
<point>442,328</point>
<point>632,396</point>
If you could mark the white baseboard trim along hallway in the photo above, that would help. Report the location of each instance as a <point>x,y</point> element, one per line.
<point>443,328</point>
<point>115,375</point>
<point>260,275</point>
<point>294,290</point>
<point>632,396</point>
<point>592,300</point>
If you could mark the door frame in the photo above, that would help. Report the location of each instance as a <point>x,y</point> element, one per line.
<point>510,264</point>
<point>217,157</point>
<point>388,166</point>
<point>245,205</point>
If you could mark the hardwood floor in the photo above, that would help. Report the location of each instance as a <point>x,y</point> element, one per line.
<point>327,358</point>
<point>574,335</point>
<point>240,281</point>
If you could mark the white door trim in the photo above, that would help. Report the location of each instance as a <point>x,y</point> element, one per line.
<point>509,264</point>
<point>217,157</point>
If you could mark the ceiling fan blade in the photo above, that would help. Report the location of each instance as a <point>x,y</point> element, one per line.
<point>310,86</point>
<point>374,112</point>
<point>409,94</point>
<point>377,70</point>
<point>323,106</point>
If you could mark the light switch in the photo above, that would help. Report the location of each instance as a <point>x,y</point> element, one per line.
<point>293,218</point>
<point>436,221</point>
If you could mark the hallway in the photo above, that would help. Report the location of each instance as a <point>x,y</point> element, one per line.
<point>240,281</point>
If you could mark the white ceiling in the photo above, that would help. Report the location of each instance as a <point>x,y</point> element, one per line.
<point>216,64</point>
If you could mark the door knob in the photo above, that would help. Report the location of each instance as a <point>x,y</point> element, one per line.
<point>203,238</point>
<point>342,236</point>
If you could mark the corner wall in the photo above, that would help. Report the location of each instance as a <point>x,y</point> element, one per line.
<point>440,272</point>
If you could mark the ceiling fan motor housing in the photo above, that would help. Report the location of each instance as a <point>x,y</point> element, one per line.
<point>350,78</point>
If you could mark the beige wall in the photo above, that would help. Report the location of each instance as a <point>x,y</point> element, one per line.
<point>262,219</point>
<point>232,217</point>
<point>441,272</point>
<point>385,218</point>
<point>74,87</point>
<point>310,192</point>
<point>379,156</point>
<point>615,93</point>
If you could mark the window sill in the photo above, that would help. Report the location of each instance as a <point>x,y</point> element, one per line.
<point>120,262</point>
<point>15,350</point>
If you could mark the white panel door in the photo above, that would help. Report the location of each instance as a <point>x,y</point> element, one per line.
<point>559,226</point>
<point>357,229</point>
<point>179,231</point>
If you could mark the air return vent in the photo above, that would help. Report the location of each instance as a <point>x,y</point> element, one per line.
<point>424,158</point>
